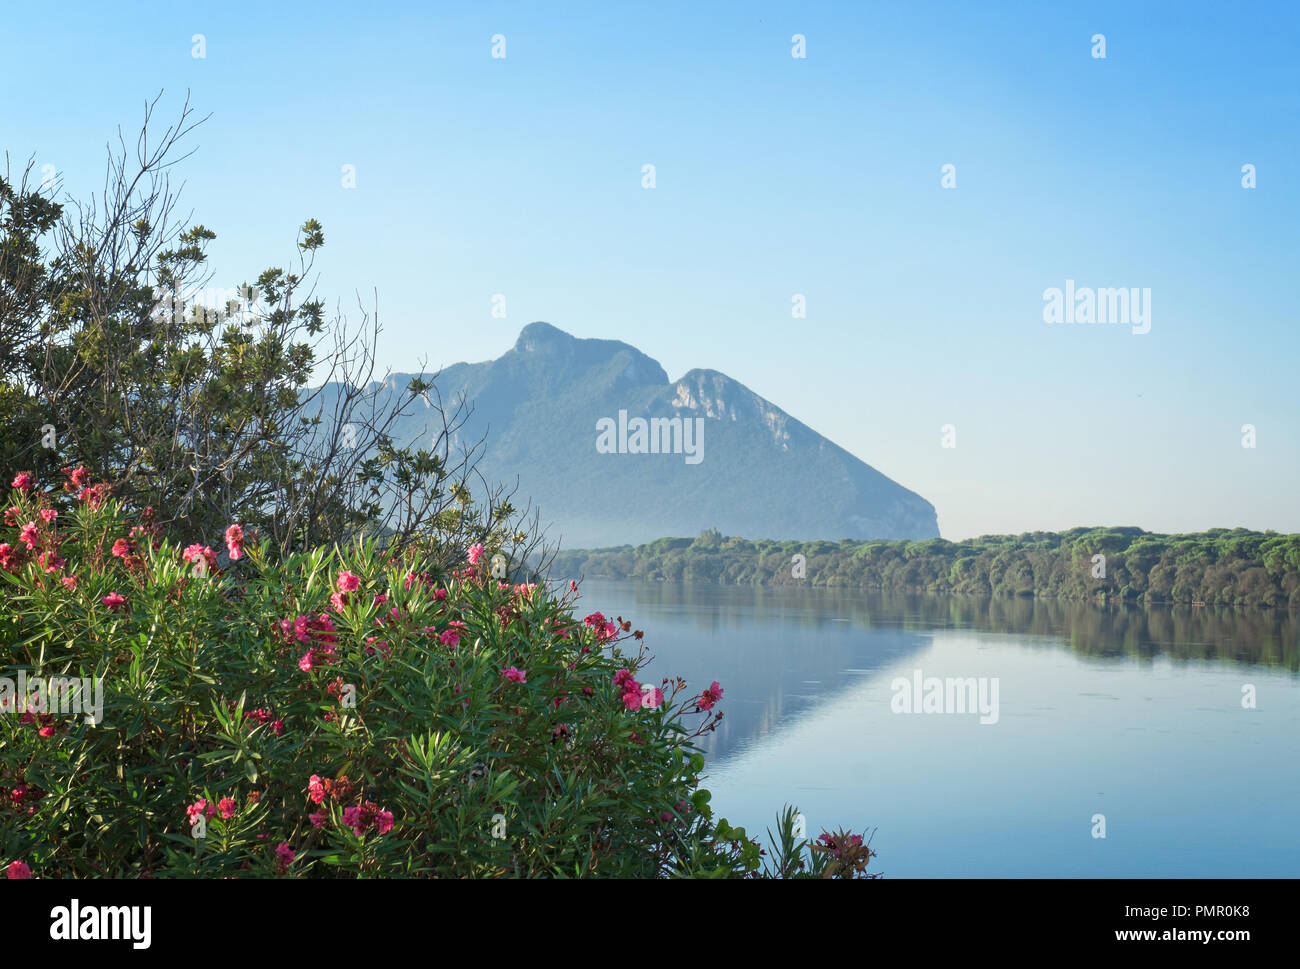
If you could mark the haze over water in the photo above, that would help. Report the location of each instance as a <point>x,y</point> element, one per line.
<point>1135,714</point>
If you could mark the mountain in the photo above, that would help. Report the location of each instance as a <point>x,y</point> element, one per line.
<point>728,459</point>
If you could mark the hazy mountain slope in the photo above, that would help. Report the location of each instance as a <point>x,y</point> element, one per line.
<point>761,473</point>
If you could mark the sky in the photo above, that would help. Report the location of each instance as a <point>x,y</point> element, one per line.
<point>924,350</point>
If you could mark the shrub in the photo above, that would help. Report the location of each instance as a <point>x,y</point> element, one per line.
<point>333,713</point>
<point>263,407</point>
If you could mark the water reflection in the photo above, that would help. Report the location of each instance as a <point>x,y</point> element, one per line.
<point>1133,713</point>
<point>778,651</point>
<point>1263,637</point>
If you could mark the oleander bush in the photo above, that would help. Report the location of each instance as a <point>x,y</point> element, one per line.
<point>342,712</point>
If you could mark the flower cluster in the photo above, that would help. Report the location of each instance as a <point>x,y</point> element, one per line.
<point>367,817</point>
<point>345,584</point>
<point>200,809</point>
<point>710,697</point>
<point>262,717</point>
<point>235,542</point>
<point>318,633</point>
<point>515,675</point>
<point>605,630</point>
<point>636,696</point>
<point>196,552</point>
<point>337,789</point>
<point>284,856</point>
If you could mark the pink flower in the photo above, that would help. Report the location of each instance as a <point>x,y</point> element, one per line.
<point>235,542</point>
<point>19,869</point>
<point>284,856</point>
<point>710,696</point>
<point>29,534</point>
<point>367,816</point>
<point>317,818</point>
<point>623,677</point>
<point>515,675</point>
<point>48,515</point>
<point>227,808</point>
<point>316,789</point>
<point>573,585</point>
<point>318,632</point>
<point>122,548</point>
<point>199,809</point>
<point>475,553</point>
<point>23,481</point>
<point>849,841</point>
<point>78,475</point>
<point>595,619</point>
<point>323,626</point>
<point>70,582</point>
<point>450,638</point>
<point>95,495</point>
<point>142,533</point>
<point>195,552</point>
<point>632,698</point>
<point>652,699</point>
<point>113,601</point>
<point>347,582</point>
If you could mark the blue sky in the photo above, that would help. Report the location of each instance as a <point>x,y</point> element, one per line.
<point>775,175</point>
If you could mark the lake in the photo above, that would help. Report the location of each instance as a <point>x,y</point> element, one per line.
<point>1179,726</point>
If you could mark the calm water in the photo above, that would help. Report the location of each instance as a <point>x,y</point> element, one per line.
<point>1134,714</point>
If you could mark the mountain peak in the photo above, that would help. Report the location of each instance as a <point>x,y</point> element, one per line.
<point>538,335</point>
<point>602,361</point>
<point>702,451</point>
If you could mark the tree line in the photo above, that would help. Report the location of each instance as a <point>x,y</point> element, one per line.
<point>1220,566</point>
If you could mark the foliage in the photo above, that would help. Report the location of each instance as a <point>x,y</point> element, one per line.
<point>341,712</point>
<point>1221,566</point>
<point>211,404</point>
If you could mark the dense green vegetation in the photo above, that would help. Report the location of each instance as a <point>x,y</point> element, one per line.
<point>1220,566</point>
<point>343,712</point>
